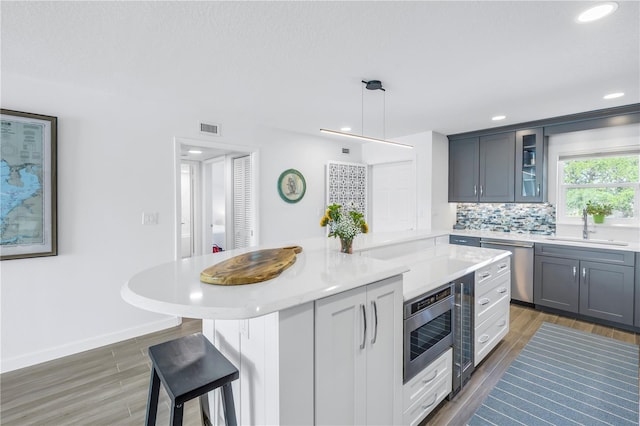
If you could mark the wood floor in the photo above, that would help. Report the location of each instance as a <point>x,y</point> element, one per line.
<point>108,386</point>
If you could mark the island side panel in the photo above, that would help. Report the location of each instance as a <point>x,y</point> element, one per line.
<point>296,360</point>
<point>274,354</point>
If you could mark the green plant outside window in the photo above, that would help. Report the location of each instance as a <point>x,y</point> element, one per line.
<point>612,180</point>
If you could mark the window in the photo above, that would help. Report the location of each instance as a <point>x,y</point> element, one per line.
<point>612,178</point>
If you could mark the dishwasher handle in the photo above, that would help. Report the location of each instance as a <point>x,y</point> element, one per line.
<point>508,244</point>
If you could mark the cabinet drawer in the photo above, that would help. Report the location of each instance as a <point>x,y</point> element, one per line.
<point>486,302</point>
<point>490,332</point>
<point>418,411</point>
<point>497,283</point>
<point>485,276</point>
<point>618,257</point>
<point>424,382</point>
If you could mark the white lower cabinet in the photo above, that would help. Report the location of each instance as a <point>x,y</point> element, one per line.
<point>427,389</point>
<point>492,297</point>
<point>315,363</point>
<point>358,356</point>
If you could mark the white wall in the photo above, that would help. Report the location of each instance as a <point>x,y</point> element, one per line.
<point>115,161</point>
<point>608,139</point>
<point>431,158</point>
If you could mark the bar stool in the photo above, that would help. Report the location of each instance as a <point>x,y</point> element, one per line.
<point>190,367</point>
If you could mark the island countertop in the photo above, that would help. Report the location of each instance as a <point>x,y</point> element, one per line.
<point>320,270</point>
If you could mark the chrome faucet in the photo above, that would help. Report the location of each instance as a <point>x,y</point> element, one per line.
<point>585,228</point>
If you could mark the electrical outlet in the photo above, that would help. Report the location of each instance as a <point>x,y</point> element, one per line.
<point>150,218</point>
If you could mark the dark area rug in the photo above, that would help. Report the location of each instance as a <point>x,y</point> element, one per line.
<point>565,376</point>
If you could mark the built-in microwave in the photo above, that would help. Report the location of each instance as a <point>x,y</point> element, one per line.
<point>428,329</point>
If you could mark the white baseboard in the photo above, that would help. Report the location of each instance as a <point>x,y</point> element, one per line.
<point>56,352</point>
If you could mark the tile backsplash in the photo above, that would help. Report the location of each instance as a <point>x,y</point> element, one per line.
<point>516,218</point>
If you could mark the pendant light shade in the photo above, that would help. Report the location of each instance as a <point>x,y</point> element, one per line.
<point>364,138</point>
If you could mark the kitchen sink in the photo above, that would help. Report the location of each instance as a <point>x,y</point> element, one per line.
<point>581,240</point>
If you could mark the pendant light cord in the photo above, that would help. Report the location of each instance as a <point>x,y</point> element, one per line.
<point>362,110</point>
<point>384,114</point>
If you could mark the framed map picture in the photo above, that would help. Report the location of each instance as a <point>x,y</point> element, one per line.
<point>27,185</point>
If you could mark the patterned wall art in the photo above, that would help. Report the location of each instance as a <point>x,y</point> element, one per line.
<point>516,218</point>
<point>346,183</point>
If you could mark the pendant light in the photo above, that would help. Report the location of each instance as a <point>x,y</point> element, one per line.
<point>370,85</point>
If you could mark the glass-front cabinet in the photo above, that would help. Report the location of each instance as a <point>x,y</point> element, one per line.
<point>530,166</point>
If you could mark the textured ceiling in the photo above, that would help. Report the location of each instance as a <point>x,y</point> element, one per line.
<point>447,66</point>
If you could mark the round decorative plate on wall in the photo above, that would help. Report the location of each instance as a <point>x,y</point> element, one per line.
<point>291,186</point>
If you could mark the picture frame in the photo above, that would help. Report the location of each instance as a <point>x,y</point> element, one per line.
<point>28,185</point>
<point>291,186</point>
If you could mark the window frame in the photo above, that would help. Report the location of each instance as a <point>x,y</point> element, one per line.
<point>561,214</point>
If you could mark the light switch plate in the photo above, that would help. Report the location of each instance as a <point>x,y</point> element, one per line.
<point>150,218</point>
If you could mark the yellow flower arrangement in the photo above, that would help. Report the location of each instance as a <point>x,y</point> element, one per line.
<point>344,224</point>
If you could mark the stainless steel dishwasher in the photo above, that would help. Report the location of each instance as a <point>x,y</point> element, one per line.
<point>521,267</point>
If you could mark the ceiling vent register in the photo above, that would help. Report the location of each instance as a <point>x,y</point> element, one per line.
<point>210,129</point>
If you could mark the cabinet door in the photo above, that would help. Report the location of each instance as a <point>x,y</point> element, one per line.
<point>637,287</point>
<point>384,353</point>
<point>556,283</point>
<point>463,170</point>
<point>340,369</point>
<point>497,157</point>
<point>530,166</point>
<point>607,291</point>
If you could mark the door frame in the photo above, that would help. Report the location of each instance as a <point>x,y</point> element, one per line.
<point>199,226</point>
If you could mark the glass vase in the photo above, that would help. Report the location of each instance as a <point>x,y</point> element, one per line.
<point>346,246</point>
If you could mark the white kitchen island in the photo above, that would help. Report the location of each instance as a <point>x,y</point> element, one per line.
<point>300,342</point>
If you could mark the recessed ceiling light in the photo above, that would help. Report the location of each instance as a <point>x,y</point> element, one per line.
<point>499,117</point>
<point>598,12</point>
<point>613,95</point>
<point>345,129</point>
<point>195,151</point>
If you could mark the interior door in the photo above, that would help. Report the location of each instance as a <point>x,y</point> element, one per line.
<point>243,203</point>
<point>393,197</point>
<point>186,219</point>
<point>215,204</point>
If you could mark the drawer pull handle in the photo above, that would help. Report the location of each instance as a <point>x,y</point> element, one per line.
<point>484,301</point>
<point>435,374</point>
<point>485,275</point>
<point>502,290</point>
<point>502,265</point>
<point>502,323</point>
<point>364,331</point>
<point>483,338</point>
<point>435,398</point>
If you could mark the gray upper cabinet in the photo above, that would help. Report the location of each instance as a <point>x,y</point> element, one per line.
<point>463,170</point>
<point>497,155</point>
<point>530,166</point>
<point>481,169</point>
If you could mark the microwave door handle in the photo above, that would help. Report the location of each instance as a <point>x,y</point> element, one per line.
<point>364,331</point>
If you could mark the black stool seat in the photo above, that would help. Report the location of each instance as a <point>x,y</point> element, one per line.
<point>189,367</point>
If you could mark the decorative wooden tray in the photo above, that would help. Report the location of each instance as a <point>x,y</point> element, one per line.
<point>252,267</point>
